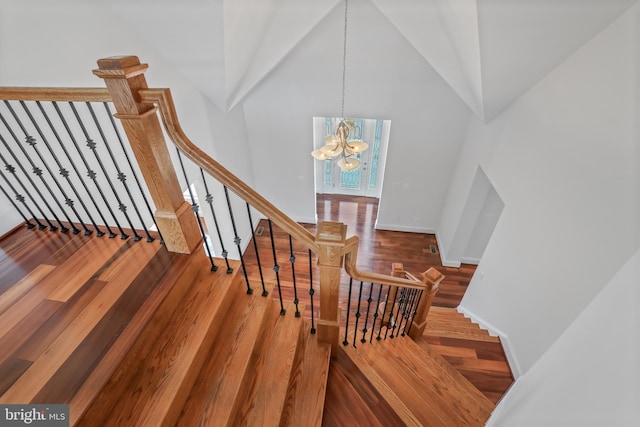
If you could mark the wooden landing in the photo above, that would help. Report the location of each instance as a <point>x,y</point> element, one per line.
<point>422,388</point>
<point>468,348</point>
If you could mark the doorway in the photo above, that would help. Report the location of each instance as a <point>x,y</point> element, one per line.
<point>366,179</point>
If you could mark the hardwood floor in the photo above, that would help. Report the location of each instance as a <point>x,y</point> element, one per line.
<point>53,292</point>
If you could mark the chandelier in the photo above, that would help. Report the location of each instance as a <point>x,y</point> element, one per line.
<point>338,144</point>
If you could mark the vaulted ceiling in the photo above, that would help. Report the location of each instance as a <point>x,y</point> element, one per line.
<point>488,51</point>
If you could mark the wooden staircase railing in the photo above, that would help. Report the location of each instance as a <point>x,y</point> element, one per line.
<point>135,103</point>
<point>137,108</point>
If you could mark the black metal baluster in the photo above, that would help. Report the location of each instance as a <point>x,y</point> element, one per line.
<point>292,259</point>
<point>346,326</point>
<point>386,305</point>
<point>195,208</point>
<point>36,171</point>
<point>209,200</point>
<point>366,318</point>
<point>395,322</point>
<point>311,292</point>
<point>255,248</point>
<point>122,177</point>
<point>276,268</point>
<point>18,198</point>
<point>65,173</point>
<point>12,170</point>
<point>406,313</point>
<point>393,306</point>
<point>93,146</point>
<point>93,176</point>
<point>414,312</point>
<point>31,141</point>
<point>355,328</point>
<point>375,315</point>
<point>135,176</point>
<point>237,241</point>
<point>68,201</point>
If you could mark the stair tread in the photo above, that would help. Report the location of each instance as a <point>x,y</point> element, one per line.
<point>219,390</point>
<point>443,371</point>
<point>460,334</point>
<point>152,385</point>
<point>281,351</point>
<point>306,395</point>
<point>435,396</point>
<point>385,390</point>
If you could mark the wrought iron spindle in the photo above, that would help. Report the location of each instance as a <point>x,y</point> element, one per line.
<point>366,318</point>
<point>255,248</point>
<point>391,310</point>
<point>12,170</point>
<point>209,200</point>
<point>395,321</point>
<point>415,309</point>
<point>93,146</point>
<point>196,209</point>
<point>406,312</point>
<point>237,241</point>
<point>376,314</point>
<point>93,176</point>
<point>346,326</point>
<point>68,200</point>
<point>37,171</point>
<point>65,173</point>
<point>276,267</point>
<point>292,259</point>
<point>386,306</point>
<point>31,141</point>
<point>355,328</point>
<point>311,292</point>
<point>134,174</point>
<point>122,177</point>
<point>26,220</point>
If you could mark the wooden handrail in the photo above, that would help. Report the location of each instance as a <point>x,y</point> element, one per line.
<point>61,94</point>
<point>162,99</point>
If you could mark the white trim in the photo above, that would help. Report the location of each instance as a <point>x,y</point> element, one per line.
<point>445,262</point>
<point>512,360</point>
<point>474,261</point>
<point>409,229</point>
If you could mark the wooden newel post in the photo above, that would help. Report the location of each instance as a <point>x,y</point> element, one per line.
<point>331,238</point>
<point>432,279</point>
<point>124,76</point>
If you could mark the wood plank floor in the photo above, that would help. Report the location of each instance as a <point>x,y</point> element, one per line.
<point>41,276</point>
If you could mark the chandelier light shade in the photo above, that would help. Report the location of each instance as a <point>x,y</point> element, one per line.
<point>338,144</point>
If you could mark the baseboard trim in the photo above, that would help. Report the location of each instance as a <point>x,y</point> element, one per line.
<point>443,255</point>
<point>408,229</point>
<point>474,261</point>
<point>512,360</point>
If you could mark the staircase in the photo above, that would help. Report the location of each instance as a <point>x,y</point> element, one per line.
<point>213,355</point>
<point>420,385</point>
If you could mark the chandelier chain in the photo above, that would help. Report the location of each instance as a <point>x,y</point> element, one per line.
<point>344,58</point>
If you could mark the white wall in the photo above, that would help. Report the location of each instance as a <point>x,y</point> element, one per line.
<point>564,159</point>
<point>590,376</point>
<point>60,48</point>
